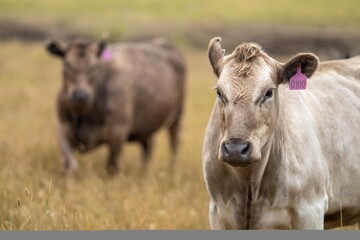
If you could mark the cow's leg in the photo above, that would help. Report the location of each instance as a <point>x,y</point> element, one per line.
<point>118,138</point>
<point>112,164</point>
<point>301,215</point>
<point>310,216</point>
<point>174,132</point>
<point>147,147</point>
<point>215,223</point>
<point>69,160</point>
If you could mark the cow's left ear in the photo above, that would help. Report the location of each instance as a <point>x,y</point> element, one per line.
<point>55,48</point>
<point>102,45</point>
<point>308,62</point>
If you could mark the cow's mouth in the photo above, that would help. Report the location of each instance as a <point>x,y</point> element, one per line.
<point>80,106</point>
<point>238,164</point>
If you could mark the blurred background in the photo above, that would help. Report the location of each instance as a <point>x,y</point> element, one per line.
<point>34,195</point>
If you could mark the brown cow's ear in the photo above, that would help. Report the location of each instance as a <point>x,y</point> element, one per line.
<point>55,48</point>
<point>102,44</point>
<point>308,61</point>
<point>216,55</point>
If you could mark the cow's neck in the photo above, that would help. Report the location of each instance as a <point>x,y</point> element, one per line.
<point>256,178</point>
<point>256,182</point>
<point>253,176</point>
<point>266,177</point>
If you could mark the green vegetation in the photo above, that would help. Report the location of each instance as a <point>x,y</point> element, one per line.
<point>123,17</point>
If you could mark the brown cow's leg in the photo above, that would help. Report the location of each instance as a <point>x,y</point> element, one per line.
<point>115,146</point>
<point>147,147</point>
<point>112,164</point>
<point>174,139</point>
<point>69,161</point>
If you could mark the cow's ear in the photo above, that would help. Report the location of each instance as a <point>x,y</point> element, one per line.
<point>216,55</point>
<point>102,44</point>
<point>308,62</point>
<point>55,48</point>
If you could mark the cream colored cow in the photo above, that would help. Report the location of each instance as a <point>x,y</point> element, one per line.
<point>275,158</point>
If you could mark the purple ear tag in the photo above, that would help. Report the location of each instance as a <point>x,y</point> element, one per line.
<point>106,55</point>
<point>298,81</point>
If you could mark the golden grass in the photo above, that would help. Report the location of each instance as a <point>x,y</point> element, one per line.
<point>35,196</point>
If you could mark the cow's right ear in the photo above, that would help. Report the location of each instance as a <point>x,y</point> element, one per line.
<point>55,48</point>
<point>216,55</point>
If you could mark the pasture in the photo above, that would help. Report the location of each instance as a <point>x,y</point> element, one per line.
<point>34,194</point>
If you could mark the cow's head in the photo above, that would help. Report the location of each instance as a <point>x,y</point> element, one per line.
<point>247,85</point>
<point>81,68</point>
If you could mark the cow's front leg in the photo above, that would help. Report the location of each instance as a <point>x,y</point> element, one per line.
<point>116,142</point>
<point>310,216</point>
<point>215,222</point>
<point>112,164</point>
<point>67,150</point>
<point>147,147</point>
<point>304,215</point>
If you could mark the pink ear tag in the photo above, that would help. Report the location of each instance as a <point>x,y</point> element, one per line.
<point>298,81</point>
<point>106,55</point>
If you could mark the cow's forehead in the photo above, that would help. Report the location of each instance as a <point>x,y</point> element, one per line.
<point>246,79</point>
<point>81,53</point>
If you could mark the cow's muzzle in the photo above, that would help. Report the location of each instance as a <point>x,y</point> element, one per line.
<point>236,152</point>
<point>80,96</point>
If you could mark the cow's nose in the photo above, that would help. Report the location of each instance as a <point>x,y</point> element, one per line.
<point>80,96</point>
<point>236,152</point>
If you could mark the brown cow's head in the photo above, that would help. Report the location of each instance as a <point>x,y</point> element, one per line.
<point>81,67</point>
<point>247,97</point>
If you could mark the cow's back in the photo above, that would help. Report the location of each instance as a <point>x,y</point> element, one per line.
<point>156,71</point>
<point>322,125</point>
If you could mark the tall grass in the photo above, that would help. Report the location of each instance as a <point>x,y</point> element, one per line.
<point>34,195</point>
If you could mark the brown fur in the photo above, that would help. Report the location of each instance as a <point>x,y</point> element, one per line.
<point>129,98</point>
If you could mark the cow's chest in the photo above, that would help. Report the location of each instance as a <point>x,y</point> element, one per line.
<point>87,133</point>
<point>242,211</point>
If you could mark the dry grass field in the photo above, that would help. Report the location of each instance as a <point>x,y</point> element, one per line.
<point>34,195</point>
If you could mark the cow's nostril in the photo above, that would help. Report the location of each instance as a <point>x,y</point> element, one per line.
<point>225,150</point>
<point>246,148</point>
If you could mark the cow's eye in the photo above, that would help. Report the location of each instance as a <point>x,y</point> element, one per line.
<point>268,94</point>
<point>218,93</point>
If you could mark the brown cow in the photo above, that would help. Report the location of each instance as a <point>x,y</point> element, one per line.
<point>124,92</point>
<point>276,158</point>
